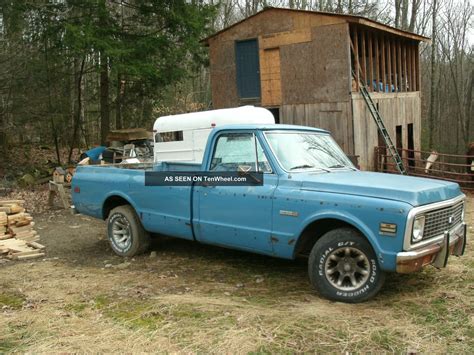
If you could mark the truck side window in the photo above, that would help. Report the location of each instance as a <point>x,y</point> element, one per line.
<point>238,149</point>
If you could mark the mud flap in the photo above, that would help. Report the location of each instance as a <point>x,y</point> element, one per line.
<point>442,257</point>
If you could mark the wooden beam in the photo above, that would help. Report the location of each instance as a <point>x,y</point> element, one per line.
<point>377,66</point>
<point>399,62</point>
<point>404,61</point>
<point>394,65</point>
<point>364,59</point>
<point>383,66</point>
<point>371,61</point>
<point>356,57</point>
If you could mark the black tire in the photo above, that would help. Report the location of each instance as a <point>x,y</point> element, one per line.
<point>139,239</point>
<point>344,254</point>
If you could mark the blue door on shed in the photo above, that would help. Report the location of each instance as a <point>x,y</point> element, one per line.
<point>248,69</point>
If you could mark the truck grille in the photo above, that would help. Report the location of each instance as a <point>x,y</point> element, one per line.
<point>438,221</point>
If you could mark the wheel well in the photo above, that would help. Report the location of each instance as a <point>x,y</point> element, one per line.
<point>316,230</point>
<point>111,203</point>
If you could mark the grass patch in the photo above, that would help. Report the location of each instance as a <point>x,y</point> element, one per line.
<point>12,300</point>
<point>75,307</point>
<point>14,338</point>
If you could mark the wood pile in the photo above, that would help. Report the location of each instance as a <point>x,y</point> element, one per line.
<point>18,239</point>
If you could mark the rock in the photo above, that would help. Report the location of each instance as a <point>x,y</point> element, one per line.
<point>122,265</point>
<point>227,293</point>
<point>259,280</point>
<point>108,265</point>
<point>153,254</point>
<point>239,285</point>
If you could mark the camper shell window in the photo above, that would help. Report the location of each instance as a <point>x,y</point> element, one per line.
<point>175,136</point>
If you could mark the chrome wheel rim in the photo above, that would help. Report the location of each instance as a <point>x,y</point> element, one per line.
<point>347,268</point>
<point>121,234</point>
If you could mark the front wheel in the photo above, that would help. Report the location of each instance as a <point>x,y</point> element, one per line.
<point>343,267</point>
<point>126,234</point>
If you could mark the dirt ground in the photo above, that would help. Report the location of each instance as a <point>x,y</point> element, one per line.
<point>187,297</point>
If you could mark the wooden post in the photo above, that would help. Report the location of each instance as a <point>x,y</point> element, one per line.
<point>418,72</point>
<point>371,61</point>
<point>356,57</point>
<point>410,76</point>
<point>377,67</point>
<point>383,66</point>
<point>413,68</point>
<point>405,74</point>
<point>364,59</point>
<point>394,66</point>
<point>399,62</point>
<point>389,66</point>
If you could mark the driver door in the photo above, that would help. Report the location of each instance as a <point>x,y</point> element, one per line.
<point>237,216</point>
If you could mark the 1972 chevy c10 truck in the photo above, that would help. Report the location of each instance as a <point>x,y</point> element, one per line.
<point>355,226</point>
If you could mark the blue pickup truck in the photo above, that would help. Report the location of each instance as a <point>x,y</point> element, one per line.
<point>353,226</point>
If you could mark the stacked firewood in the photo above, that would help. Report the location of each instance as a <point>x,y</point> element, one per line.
<point>18,239</point>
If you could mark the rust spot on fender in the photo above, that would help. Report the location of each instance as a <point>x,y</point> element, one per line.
<point>274,239</point>
<point>291,241</point>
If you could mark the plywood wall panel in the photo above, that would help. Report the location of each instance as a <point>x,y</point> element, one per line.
<point>317,71</point>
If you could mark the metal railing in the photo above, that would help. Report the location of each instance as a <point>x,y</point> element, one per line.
<point>449,167</point>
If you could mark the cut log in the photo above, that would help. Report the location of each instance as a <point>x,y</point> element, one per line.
<point>24,257</point>
<point>9,202</point>
<point>35,245</point>
<point>19,216</point>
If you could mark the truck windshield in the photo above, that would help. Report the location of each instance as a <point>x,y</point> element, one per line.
<point>307,151</point>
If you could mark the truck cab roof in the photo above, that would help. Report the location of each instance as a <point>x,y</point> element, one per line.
<point>267,127</point>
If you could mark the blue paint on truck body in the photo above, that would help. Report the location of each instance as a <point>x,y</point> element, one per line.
<point>253,218</point>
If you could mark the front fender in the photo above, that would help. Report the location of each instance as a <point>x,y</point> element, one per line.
<point>386,254</point>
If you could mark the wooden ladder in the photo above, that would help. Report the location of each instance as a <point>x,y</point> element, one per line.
<point>381,127</point>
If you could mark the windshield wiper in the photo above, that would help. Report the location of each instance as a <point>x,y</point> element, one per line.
<point>303,166</point>
<point>307,166</point>
<point>337,166</point>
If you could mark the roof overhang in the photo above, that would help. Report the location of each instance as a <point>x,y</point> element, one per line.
<point>349,18</point>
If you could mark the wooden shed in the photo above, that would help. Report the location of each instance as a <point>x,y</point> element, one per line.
<point>304,66</point>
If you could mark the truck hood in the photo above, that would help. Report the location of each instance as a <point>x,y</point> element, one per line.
<point>413,190</point>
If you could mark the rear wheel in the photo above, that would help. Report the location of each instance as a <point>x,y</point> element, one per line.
<point>343,267</point>
<point>126,234</point>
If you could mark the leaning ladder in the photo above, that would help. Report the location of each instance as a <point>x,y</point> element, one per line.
<point>381,126</point>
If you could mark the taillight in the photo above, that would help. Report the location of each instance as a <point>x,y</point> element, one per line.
<point>77,189</point>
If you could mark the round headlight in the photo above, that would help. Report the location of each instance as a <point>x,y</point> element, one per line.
<point>418,227</point>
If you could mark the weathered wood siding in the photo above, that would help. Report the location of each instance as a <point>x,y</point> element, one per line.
<point>396,109</point>
<point>331,116</point>
<point>275,31</point>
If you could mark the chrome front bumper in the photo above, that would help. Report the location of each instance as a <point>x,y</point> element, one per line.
<point>437,253</point>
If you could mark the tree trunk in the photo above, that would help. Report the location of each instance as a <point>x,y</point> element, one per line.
<point>118,102</point>
<point>104,98</point>
<point>433,78</point>
<point>414,11</point>
<point>79,114</point>
<point>405,14</point>
<point>398,4</point>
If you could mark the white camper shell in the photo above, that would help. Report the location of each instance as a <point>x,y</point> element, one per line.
<point>184,137</point>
